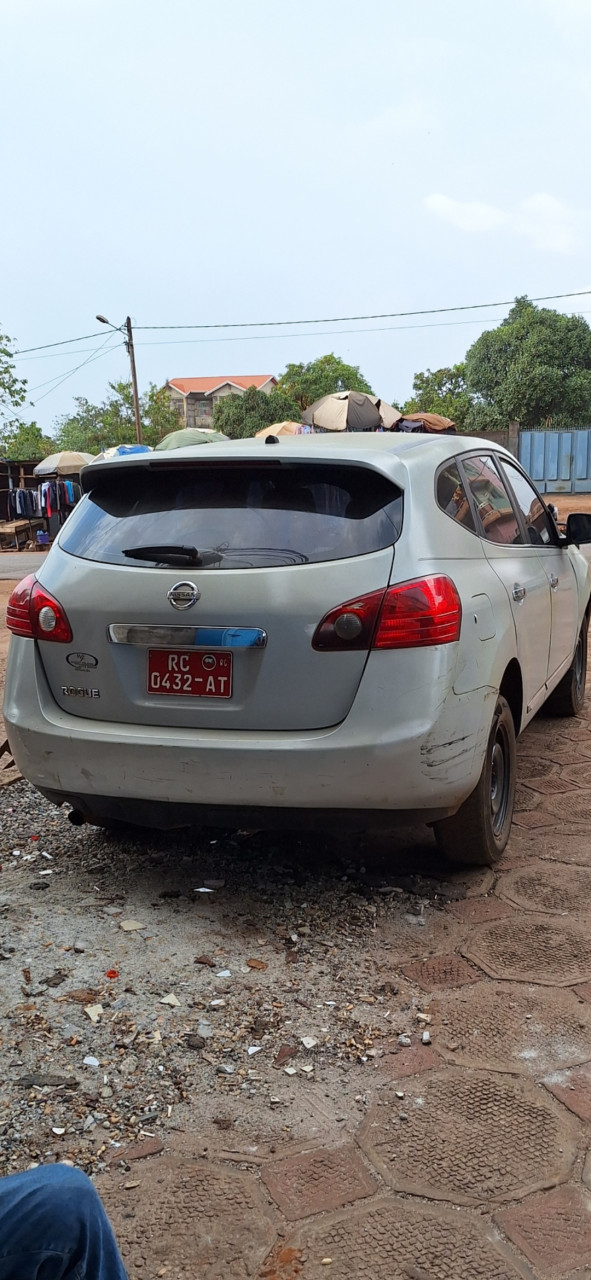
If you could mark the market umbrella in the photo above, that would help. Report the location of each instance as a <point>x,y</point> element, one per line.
<point>351,411</point>
<point>431,421</point>
<point>279,429</point>
<point>66,463</point>
<point>121,451</point>
<point>190,435</point>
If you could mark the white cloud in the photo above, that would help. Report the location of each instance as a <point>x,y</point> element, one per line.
<point>467,215</point>
<point>549,224</point>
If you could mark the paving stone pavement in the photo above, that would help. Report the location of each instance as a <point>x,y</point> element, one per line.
<point>470,1158</point>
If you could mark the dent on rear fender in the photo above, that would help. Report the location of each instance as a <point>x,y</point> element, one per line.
<point>456,743</point>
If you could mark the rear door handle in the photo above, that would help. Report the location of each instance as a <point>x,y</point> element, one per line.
<point>553,581</point>
<point>519,593</point>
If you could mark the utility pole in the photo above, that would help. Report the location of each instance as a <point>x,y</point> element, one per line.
<point>126,329</point>
<point>136,399</point>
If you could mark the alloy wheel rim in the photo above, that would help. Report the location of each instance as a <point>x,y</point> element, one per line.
<point>500,775</point>
<point>579,664</point>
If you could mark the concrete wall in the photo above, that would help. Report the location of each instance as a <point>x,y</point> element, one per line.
<point>508,438</point>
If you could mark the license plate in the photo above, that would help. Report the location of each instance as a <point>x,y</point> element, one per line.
<point>190,673</point>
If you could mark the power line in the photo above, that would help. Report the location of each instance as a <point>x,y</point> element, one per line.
<point>58,381</point>
<point>320,333</point>
<point>83,337</point>
<point>270,337</point>
<point>379,315</point>
<point>270,324</point>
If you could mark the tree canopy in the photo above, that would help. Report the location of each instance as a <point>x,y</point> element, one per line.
<point>24,442</point>
<point>93,427</point>
<point>240,416</point>
<point>305,383</point>
<point>13,390</point>
<point>441,391</point>
<point>535,367</point>
<point>19,441</point>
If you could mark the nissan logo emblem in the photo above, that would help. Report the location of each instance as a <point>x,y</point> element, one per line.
<point>183,595</point>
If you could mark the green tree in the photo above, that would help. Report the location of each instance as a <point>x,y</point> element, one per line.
<point>93,427</point>
<point>24,442</point>
<point>240,416</point>
<point>535,367</point>
<point>441,391</point>
<point>13,390</point>
<point>306,383</point>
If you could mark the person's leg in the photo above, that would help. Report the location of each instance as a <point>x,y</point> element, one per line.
<point>53,1227</point>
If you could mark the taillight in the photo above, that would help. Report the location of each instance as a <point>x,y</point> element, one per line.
<point>415,614</point>
<point>350,625</point>
<point>410,615</point>
<point>34,613</point>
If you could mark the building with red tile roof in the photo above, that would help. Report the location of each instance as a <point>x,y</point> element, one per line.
<point>195,398</point>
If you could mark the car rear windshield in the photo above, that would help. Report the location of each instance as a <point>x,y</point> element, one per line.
<point>236,516</point>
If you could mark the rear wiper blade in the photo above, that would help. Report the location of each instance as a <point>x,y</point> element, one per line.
<point>173,555</point>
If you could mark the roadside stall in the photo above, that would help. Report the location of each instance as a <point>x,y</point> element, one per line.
<point>19,519</point>
<point>58,489</point>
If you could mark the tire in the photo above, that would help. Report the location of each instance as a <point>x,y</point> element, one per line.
<point>478,833</point>
<point>568,698</point>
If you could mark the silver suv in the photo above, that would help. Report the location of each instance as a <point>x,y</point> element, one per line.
<point>305,630</point>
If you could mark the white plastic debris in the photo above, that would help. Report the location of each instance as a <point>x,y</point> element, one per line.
<point>94,1012</point>
<point>309,1042</point>
<point>58,1131</point>
<point>129,926</point>
<point>224,973</point>
<point>290,1071</point>
<point>203,890</point>
<point>426,1037</point>
<point>170,999</point>
<point>254,1048</point>
<point>217,1004</point>
<point>89,1061</point>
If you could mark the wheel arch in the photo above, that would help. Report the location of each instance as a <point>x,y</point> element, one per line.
<point>511,687</point>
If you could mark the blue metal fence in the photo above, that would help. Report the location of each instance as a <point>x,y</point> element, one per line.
<point>558,461</point>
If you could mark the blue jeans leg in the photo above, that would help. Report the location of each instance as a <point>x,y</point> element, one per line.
<point>53,1227</point>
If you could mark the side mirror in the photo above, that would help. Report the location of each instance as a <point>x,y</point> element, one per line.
<point>578,527</point>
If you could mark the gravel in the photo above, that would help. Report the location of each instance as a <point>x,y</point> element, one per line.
<point>262,971</point>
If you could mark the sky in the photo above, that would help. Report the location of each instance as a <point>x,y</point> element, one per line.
<point>232,162</point>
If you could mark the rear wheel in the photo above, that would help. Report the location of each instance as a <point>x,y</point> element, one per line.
<point>478,833</point>
<point>568,698</point>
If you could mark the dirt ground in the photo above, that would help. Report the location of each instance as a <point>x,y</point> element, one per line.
<point>227,1031</point>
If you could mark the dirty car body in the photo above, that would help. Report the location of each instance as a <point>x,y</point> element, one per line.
<point>318,629</point>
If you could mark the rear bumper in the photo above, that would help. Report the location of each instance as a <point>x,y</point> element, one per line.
<point>416,754</point>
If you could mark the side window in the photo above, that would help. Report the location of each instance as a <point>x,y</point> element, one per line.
<point>493,504</point>
<point>538,522</point>
<point>452,497</point>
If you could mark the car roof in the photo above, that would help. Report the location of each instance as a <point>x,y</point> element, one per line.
<point>381,449</point>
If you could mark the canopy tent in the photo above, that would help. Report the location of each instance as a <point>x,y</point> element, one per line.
<point>351,411</point>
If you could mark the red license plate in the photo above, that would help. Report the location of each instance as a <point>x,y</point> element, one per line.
<point>190,673</point>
